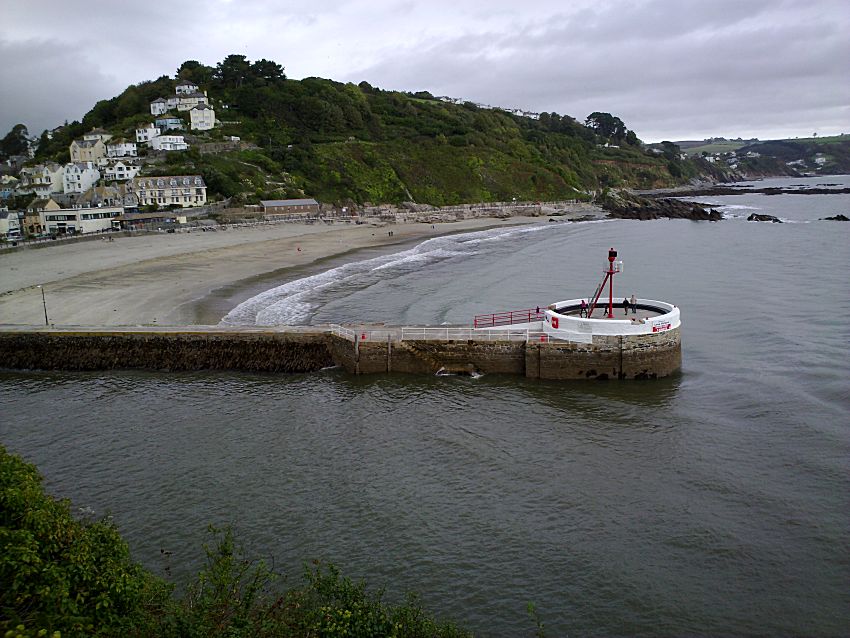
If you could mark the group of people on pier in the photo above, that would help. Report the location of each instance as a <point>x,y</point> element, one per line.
<point>627,303</point>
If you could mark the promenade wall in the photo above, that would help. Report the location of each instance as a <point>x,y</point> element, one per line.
<point>608,357</point>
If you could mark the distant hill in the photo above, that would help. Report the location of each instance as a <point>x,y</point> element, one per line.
<point>356,143</point>
<point>815,155</point>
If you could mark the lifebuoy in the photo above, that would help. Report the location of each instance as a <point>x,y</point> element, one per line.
<point>555,322</point>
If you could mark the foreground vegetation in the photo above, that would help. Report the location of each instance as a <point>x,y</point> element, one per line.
<point>61,576</point>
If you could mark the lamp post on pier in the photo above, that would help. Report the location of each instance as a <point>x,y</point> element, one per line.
<point>44,305</point>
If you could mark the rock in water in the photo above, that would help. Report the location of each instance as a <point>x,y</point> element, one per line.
<point>837,218</point>
<point>629,206</point>
<point>763,218</point>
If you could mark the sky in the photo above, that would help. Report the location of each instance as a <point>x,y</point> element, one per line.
<point>670,69</point>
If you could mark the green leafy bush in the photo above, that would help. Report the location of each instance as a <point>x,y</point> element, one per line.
<point>64,577</point>
<point>60,574</point>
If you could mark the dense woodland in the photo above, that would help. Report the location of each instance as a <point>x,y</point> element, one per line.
<point>357,143</point>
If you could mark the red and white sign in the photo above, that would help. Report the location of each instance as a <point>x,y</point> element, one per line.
<point>555,322</point>
<point>660,327</point>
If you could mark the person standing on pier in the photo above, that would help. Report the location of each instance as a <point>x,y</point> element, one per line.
<point>583,311</point>
<point>633,302</point>
<point>625,305</point>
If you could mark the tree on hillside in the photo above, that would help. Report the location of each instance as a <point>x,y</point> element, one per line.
<point>606,125</point>
<point>196,72</point>
<point>15,142</point>
<point>671,150</point>
<point>267,70</point>
<point>233,71</point>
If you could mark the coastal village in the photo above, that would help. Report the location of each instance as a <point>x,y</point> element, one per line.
<point>103,186</point>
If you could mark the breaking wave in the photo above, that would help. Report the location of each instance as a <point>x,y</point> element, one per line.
<point>294,302</point>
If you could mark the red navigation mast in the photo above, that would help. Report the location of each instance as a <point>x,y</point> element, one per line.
<point>613,268</point>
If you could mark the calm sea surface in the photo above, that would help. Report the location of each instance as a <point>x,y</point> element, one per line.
<point>713,502</point>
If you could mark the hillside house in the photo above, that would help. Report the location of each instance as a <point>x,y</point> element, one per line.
<point>169,123</point>
<point>190,100</point>
<point>169,142</point>
<point>202,118</point>
<point>185,87</point>
<point>78,177</point>
<point>121,170</point>
<point>158,106</point>
<point>146,133</point>
<point>179,190</point>
<point>8,186</point>
<point>43,180</point>
<point>276,208</point>
<point>121,148</point>
<point>100,196</point>
<point>87,150</point>
<point>97,134</point>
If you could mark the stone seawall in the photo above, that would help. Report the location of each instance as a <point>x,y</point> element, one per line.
<point>647,356</point>
<point>307,350</point>
<point>103,350</point>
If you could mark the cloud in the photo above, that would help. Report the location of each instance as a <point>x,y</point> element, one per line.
<point>668,68</point>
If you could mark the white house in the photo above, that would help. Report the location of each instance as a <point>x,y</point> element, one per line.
<point>43,179</point>
<point>169,142</point>
<point>177,190</point>
<point>78,177</point>
<point>202,118</point>
<point>171,102</point>
<point>184,87</point>
<point>121,171</point>
<point>121,148</point>
<point>144,135</point>
<point>188,101</point>
<point>158,106</point>
<point>10,224</point>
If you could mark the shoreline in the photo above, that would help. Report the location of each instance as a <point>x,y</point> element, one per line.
<point>189,278</point>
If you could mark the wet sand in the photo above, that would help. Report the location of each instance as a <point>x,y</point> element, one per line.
<point>183,278</point>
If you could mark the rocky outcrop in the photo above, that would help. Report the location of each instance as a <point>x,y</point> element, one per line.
<point>756,217</point>
<point>629,206</point>
<point>837,218</point>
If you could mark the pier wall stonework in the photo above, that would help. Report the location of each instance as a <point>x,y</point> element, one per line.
<point>288,352</point>
<point>608,357</point>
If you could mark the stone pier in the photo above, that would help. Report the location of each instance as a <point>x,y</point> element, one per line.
<point>292,349</point>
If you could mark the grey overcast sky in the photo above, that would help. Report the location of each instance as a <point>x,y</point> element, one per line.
<point>671,69</point>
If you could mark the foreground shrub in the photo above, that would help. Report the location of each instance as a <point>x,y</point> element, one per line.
<point>58,574</point>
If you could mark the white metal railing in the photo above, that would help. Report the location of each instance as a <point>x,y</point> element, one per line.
<point>450,333</point>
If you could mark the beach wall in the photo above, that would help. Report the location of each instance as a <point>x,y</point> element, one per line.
<point>103,350</point>
<point>608,357</point>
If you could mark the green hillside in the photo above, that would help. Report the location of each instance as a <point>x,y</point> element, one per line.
<point>356,143</point>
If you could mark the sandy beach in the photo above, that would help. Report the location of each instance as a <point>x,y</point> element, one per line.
<point>163,279</point>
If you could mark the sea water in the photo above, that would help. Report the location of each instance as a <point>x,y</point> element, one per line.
<point>711,502</point>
